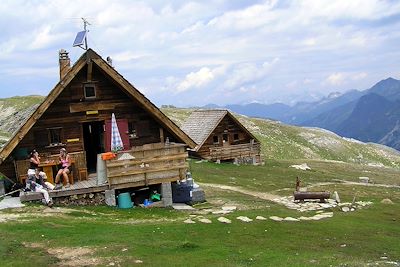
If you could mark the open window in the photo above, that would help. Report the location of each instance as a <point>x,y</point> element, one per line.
<point>215,140</point>
<point>236,137</point>
<point>49,137</point>
<point>225,138</point>
<point>55,135</point>
<point>89,91</point>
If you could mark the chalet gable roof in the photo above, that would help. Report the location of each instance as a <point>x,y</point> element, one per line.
<point>201,123</point>
<point>88,57</point>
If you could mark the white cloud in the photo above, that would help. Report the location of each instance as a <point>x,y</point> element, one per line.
<point>248,72</point>
<point>196,79</point>
<point>310,42</point>
<point>216,46</point>
<point>45,37</point>
<point>336,78</point>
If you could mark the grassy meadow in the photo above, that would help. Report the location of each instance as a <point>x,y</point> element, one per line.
<point>105,236</point>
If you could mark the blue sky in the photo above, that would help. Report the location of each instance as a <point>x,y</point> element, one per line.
<point>191,53</point>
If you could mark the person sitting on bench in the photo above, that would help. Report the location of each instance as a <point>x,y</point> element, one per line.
<point>34,161</point>
<point>41,178</point>
<point>65,169</point>
<point>33,185</point>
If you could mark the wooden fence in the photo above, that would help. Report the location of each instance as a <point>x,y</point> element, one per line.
<point>149,164</point>
<point>239,152</point>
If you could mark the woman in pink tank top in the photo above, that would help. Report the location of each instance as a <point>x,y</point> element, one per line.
<point>65,169</point>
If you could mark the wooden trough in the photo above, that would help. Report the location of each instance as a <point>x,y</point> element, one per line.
<point>301,196</point>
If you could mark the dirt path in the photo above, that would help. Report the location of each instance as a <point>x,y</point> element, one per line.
<point>344,182</point>
<point>262,195</point>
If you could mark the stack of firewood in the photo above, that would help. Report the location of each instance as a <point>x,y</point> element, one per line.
<point>93,199</point>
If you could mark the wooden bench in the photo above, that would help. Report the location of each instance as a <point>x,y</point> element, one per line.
<point>301,196</point>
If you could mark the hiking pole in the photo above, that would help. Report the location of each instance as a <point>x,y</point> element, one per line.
<point>9,193</point>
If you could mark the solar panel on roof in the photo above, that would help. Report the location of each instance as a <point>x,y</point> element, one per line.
<point>80,38</point>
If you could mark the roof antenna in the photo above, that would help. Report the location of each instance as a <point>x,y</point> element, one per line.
<point>81,37</point>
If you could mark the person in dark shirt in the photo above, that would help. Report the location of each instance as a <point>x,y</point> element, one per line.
<point>34,161</point>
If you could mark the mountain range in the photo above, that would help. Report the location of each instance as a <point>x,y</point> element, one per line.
<point>372,115</point>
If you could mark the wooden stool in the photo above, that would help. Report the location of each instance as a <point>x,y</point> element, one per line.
<point>22,178</point>
<point>70,178</point>
<point>82,174</point>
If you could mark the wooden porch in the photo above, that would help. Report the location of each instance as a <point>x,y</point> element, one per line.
<point>81,187</point>
<point>145,165</point>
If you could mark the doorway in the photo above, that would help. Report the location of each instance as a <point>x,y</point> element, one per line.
<point>93,134</point>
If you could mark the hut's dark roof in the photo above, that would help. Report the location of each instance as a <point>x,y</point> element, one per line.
<point>201,123</point>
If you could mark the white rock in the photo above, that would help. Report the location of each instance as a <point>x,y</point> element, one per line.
<point>303,167</point>
<point>276,218</point>
<point>327,214</point>
<point>325,205</point>
<point>204,220</point>
<point>224,220</point>
<point>229,208</point>
<point>244,219</point>
<point>345,209</point>
<point>221,212</point>
<point>261,218</point>
<point>302,218</point>
<point>291,219</point>
<point>189,221</point>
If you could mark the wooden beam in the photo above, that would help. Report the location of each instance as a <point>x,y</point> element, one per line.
<point>143,171</point>
<point>101,105</point>
<point>62,193</point>
<point>89,70</point>
<point>119,163</point>
<point>142,183</point>
<point>162,135</point>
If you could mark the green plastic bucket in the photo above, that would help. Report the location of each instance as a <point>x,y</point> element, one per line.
<point>124,201</point>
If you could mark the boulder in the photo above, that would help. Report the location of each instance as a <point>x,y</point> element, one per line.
<point>386,201</point>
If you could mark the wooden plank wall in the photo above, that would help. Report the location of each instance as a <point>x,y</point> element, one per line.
<point>226,126</point>
<point>108,95</point>
<point>151,164</point>
<point>249,150</point>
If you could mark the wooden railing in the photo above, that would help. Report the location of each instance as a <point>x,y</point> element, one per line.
<point>228,152</point>
<point>149,164</point>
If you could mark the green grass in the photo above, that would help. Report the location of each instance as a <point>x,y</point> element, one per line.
<point>21,102</point>
<point>158,237</point>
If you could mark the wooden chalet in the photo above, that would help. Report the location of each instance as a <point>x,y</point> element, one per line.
<point>221,137</point>
<point>76,115</point>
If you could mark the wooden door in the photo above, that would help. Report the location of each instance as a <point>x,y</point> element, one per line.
<point>123,131</point>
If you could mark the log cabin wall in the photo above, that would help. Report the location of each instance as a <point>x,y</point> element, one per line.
<point>69,111</point>
<point>234,133</point>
